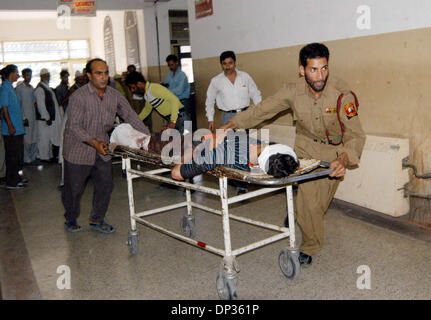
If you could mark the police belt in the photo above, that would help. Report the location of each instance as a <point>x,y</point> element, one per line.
<point>326,142</point>
<point>320,141</point>
<point>236,111</point>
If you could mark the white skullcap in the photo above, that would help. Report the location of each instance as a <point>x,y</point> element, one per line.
<point>43,71</point>
<point>271,150</point>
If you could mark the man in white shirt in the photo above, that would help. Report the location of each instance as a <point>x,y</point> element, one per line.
<point>231,90</point>
<point>49,119</point>
<point>25,93</point>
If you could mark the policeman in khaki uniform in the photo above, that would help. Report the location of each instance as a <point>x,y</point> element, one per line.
<point>320,135</point>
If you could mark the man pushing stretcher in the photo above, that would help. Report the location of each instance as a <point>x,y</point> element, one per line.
<point>327,128</point>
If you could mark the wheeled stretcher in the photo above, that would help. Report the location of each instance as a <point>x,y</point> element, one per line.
<point>227,277</point>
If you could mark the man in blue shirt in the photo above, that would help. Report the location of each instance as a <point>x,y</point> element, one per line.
<point>12,128</point>
<point>178,84</point>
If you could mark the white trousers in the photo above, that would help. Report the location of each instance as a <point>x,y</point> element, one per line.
<point>44,142</point>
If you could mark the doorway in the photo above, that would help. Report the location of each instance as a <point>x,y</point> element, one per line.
<point>180,46</point>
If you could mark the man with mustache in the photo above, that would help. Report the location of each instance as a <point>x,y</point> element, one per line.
<point>323,132</point>
<point>90,116</point>
<point>232,91</point>
<point>160,98</point>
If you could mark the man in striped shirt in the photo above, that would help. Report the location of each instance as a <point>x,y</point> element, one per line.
<point>90,116</point>
<point>238,151</point>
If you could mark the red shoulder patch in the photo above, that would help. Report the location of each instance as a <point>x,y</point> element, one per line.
<point>350,110</point>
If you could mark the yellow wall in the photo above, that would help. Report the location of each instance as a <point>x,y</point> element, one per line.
<point>389,72</point>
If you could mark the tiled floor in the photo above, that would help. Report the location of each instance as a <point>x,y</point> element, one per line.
<point>102,267</point>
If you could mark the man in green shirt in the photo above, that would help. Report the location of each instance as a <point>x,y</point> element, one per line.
<point>160,98</point>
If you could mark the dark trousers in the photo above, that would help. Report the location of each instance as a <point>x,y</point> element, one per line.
<point>183,115</point>
<point>14,158</point>
<point>190,110</point>
<point>75,180</point>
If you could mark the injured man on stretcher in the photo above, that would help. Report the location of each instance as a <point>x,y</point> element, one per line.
<point>238,150</point>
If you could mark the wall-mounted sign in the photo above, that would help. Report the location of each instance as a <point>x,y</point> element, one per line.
<point>108,40</point>
<point>203,8</point>
<point>81,8</point>
<point>132,39</point>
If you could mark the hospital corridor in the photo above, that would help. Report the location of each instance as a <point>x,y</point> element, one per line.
<point>203,152</point>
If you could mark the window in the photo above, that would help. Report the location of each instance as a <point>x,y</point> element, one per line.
<point>78,49</point>
<point>54,55</point>
<point>35,51</point>
<point>186,62</point>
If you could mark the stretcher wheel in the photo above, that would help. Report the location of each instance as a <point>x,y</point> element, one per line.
<point>132,242</point>
<point>188,226</point>
<point>289,263</point>
<point>226,286</point>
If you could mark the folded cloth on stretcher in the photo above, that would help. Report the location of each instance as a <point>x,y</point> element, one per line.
<point>125,135</point>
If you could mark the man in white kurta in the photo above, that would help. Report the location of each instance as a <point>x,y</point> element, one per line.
<point>25,93</point>
<point>49,124</point>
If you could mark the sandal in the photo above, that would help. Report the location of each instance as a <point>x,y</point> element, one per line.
<point>72,226</point>
<point>102,227</point>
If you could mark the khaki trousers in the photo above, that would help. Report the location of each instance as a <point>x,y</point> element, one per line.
<point>312,202</point>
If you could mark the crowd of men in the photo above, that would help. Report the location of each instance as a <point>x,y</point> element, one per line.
<point>40,111</point>
<point>37,115</point>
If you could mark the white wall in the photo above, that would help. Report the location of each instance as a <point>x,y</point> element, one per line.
<point>15,25</point>
<point>42,25</point>
<point>97,43</point>
<point>163,25</point>
<point>117,17</point>
<point>260,25</point>
<point>142,41</point>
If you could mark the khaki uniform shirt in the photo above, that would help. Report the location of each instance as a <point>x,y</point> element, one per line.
<point>313,117</point>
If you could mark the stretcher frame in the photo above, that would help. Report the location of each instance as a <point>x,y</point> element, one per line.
<point>227,277</point>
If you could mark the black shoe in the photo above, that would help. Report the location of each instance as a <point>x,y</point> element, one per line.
<point>167,185</point>
<point>304,259</point>
<point>24,180</point>
<point>19,185</point>
<point>191,190</point>
<point>3,181</point>
<point>241,190</point>
<point>286,222</point>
